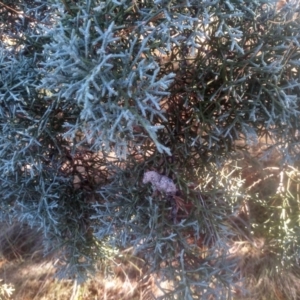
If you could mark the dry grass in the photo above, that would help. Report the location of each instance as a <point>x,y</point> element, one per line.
<point>33,276</point>
<point>258,266</point>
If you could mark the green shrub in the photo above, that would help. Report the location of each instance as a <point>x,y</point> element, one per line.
<point>95,93</point>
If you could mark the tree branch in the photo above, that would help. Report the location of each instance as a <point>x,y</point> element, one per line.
<point>21,13</point>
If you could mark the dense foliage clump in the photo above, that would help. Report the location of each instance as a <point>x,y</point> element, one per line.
<point>94,94</point>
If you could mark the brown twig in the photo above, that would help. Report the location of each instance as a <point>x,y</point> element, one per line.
<point>21,13</point>
<point>68,9</point>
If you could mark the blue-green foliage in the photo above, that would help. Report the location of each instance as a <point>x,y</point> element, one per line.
<point>95,93</point>
<point>106,68</point>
